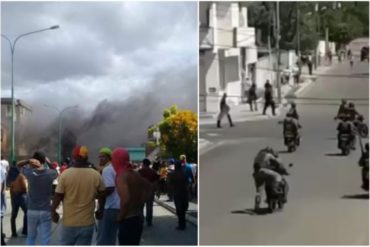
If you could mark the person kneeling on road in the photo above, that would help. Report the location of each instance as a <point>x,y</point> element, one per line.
<point>268,159</point>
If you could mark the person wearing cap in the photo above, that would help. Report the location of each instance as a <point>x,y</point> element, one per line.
<point>105,156</point>
<point>78,187</point>
<point>40,181</point>
<point>108,225</point>
<point>153,177</point>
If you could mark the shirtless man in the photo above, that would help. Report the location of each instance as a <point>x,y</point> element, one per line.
<point>134,191</point>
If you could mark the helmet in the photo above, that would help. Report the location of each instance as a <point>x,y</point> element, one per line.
<point>360,118</point>
<point>293,104</point>
<point>351,105</point>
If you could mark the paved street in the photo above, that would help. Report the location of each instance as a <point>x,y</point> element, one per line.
<point>326,204</point>
<point>162,232</point>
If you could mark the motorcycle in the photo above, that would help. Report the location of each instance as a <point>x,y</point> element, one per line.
<point>365,178</point>
<point>290,142</point>
<point>344,143</point>
<point>276,198</point>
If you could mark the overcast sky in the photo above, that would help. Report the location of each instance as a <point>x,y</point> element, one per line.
<point>103,50</point>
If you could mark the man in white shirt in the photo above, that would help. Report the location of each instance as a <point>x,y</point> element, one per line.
<point>108,225</point>
<point>5,164</point>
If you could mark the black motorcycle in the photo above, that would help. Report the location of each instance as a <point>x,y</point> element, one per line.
<point>276,198</point>
<point>344,143</point>
<point>291,142</point>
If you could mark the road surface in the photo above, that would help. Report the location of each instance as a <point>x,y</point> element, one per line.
<point>326,204</point>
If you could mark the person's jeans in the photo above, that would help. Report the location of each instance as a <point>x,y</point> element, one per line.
<point>39,220</point>
<point>108,227</point>
<point>76,235</point>
<point>130,230</point>
<point>149,210</point>
<point>18,201</point>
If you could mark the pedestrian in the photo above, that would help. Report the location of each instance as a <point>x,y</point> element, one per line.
<point>66,164</point>
<point>178,184</point>
<point>3,205</point>
<point>269,101</point>
<point>252,97</point>
<point>224,110</point>
<point>18,197</point>
<point>153,177</point>
<point>189,175</point>
<point>4,166</point>
<point>349,54</point>
<point>4,163</point>
<point>171,168</point>
<point>40,181</point>
<point>309,64</point>
<point>78,187</point>
<point>108,225</point>
<point>55,167</point>
<point>163,172</point>
<point>134,191</point>
<point>105,154</point>
<point>351,62</point>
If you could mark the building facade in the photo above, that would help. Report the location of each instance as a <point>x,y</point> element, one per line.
<point>22,116</point>
<point>227,55</point>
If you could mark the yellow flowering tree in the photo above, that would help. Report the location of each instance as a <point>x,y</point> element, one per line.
<point>179,133</point>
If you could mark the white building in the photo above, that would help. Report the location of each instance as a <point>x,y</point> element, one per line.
<point>227,56</point>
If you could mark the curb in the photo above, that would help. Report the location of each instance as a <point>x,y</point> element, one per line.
<point>192,220</point>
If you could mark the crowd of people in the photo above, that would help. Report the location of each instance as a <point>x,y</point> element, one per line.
<point>114,194</point>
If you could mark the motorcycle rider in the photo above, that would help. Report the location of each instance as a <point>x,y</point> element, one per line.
<point>361,126</point>
<point>293,111</point>
<point>291,125</point>
<point>342,109</point>
<point>351,111</point>
<point>364,163</point>
<point>346,127</point>
<point>268,169</point>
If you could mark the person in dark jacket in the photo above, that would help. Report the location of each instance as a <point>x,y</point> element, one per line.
<point>224,110</point>
<point>252,97</point>
<point>178,184</point>
<point>269,101</point>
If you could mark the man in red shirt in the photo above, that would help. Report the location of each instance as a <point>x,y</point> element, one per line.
<point>152,176</point>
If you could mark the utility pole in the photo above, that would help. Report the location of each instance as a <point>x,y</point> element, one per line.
<point>298,31</point>
<point>278,52</point>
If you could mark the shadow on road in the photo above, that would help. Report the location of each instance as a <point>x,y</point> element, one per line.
<point>252,211</point>
<point>333,154</point>
<point>358,196</point>
<point>284,152</point>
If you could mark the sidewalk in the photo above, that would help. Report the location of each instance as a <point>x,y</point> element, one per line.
<point>242,112</point>
<point>191,214</point>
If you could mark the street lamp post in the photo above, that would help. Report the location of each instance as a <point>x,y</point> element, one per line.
<point>60,128</point>
<point>12,49</point>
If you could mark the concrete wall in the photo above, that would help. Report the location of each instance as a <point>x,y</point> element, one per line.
<point>264,71</point>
